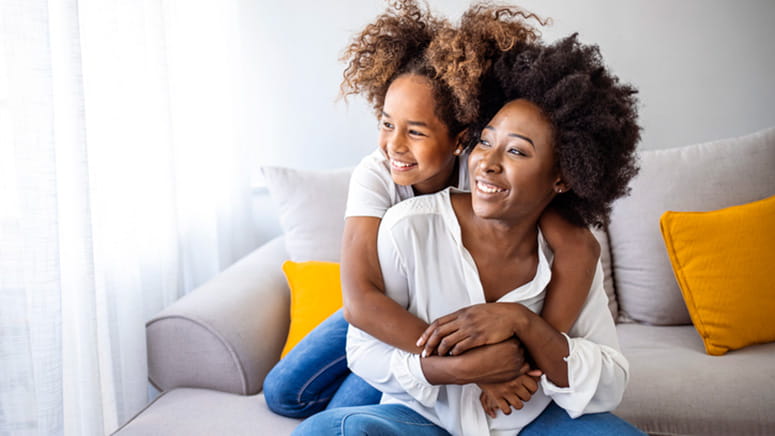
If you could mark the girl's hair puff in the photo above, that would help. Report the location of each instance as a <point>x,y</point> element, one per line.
<point>462,56</point>
<point>393,44</point>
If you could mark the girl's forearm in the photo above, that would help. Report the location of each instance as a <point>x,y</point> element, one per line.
<point>365,304</point>
<point>547,346</point>
<point>378,315</point>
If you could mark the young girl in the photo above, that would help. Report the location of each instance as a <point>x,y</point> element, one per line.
<point>422,78</point>
<point>565,136</point>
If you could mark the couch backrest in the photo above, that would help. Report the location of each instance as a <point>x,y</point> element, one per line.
<point>699,177</point>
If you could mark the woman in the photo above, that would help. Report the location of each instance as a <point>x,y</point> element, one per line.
<point>477,263</point>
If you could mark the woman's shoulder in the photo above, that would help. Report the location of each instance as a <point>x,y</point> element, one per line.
<point>419,209</point>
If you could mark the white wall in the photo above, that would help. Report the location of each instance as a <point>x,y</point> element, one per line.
<point>705,70</point>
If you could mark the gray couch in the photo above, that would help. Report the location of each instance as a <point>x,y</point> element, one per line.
<point>209,352</point>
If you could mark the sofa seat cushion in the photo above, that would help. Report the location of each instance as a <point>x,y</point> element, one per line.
<point>677,389</point>
<point>192,412</point>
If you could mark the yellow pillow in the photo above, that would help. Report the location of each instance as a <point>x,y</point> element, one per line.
<point>316,293</point>
<point>724,262</point>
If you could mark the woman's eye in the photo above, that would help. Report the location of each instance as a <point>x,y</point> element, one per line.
<point>516,152</point>
<point>387,125</point>
<point>417,133</point>
<point>483,143</point>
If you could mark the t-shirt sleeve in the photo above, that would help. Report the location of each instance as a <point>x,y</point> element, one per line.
<point>371,189</point>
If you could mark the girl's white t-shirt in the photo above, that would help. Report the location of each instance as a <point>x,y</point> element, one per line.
<point>373,191</point>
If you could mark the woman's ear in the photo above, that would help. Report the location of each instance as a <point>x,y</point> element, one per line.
<point>561,186</point>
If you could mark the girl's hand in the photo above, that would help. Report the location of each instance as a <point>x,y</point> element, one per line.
<point>510,394</point>
<point>468,328</point>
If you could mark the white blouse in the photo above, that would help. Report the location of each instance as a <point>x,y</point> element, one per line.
<point>427,270</point>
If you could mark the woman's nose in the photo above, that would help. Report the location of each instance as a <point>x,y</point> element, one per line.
<point>489,162</point>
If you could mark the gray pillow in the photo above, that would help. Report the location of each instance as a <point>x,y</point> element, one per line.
<point>699,177</point>
<point>310,208</point>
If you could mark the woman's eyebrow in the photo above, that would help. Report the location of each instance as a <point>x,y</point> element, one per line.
<point>515,135</point>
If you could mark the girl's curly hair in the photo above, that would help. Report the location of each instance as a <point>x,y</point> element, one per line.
<point>594,117</point>
<point>408,39</point>
<point>462,56</point>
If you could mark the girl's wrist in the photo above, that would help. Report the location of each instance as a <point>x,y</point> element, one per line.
<point>521,319</point>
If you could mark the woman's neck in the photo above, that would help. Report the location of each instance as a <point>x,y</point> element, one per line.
<point>516,237</point>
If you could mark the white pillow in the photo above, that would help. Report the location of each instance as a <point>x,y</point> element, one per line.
<point>311,207</point>
<point>698,177</point>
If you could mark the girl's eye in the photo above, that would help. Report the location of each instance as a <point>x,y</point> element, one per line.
<point>417,133</point>
<point>387,125</point>
<point>516,152</point>
<point>483,143</point>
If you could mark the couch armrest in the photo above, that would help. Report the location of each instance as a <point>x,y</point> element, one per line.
<point>226,334</point>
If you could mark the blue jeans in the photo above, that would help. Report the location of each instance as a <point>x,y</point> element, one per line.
<point>395,419</point>
<point>554,420</point>
<point>314,376</point>
<point>374,420</point>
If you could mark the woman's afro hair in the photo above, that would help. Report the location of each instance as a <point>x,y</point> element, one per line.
<point>594,118</point>
<point>408,39</point>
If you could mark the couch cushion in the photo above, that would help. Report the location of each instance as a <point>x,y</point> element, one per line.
<point>316,293</point>
<point>693,178</point>
<point>677,389</point>
<point>608,278</point>
<point>195,412</point>
<point>310,206</point>
<point>715,252</point>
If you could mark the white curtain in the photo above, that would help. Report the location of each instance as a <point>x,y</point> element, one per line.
<point>123,185</point>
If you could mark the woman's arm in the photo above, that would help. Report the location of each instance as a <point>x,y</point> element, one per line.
<point>365,304</point>
<point>576,252</point>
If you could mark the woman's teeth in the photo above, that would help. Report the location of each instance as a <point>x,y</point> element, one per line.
<point>487,188</point>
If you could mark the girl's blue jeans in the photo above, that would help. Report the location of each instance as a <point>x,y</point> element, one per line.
<point>314,377</point>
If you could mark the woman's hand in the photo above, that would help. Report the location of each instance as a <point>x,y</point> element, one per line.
<point>510,394</point>
<point>468,328</point>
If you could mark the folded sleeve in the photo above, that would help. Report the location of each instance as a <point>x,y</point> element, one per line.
<point>389,369</point>
<point>597,370</point>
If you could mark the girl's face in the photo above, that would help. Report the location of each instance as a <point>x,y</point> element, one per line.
<point>512,168</point>
<point>417,143</point>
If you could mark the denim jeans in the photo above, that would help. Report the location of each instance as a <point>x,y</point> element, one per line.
<point>554,420</point>
<point>314,376</point>
<point>374,420</point>
<point>398,420</point>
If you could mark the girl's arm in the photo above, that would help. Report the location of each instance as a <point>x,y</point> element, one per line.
<point>365,304</point>
<point>576,252</point>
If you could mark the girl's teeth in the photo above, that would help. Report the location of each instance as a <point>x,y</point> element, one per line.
<point>401,164</point>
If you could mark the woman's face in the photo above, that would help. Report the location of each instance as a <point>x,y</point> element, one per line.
<point>417,143</point>
<point>512,168</point>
